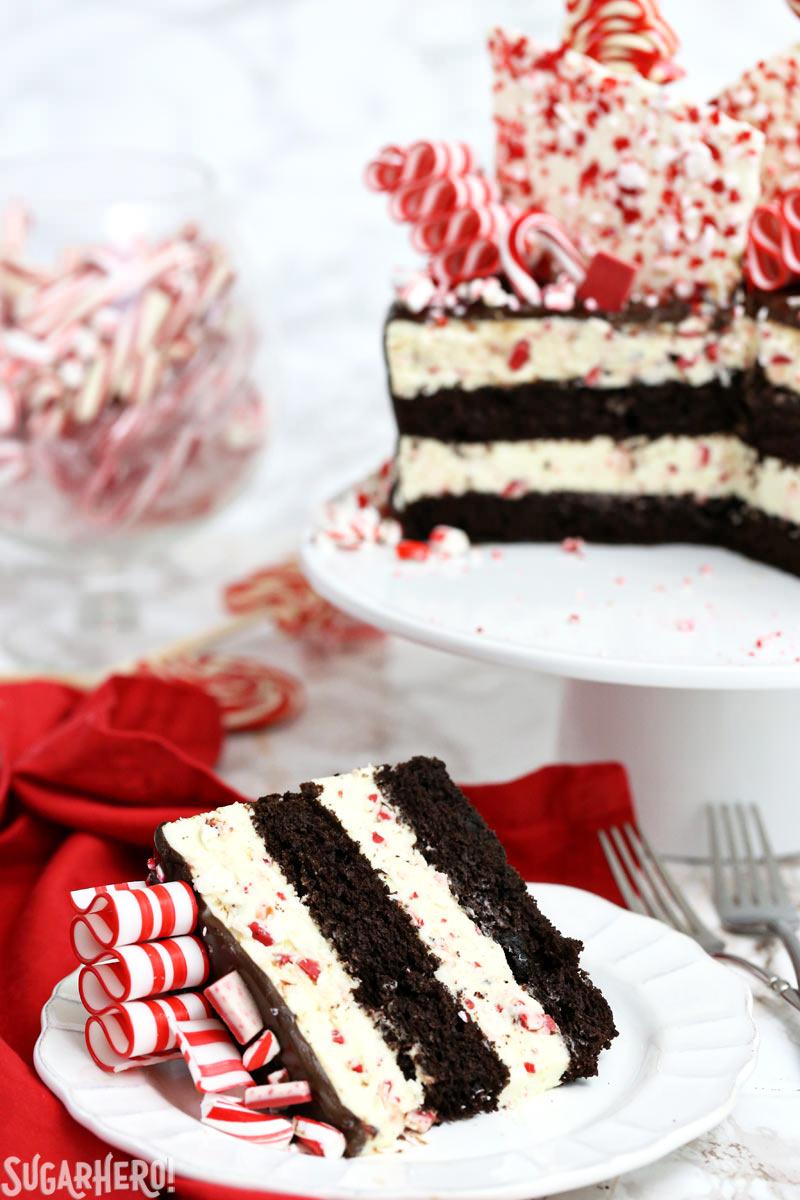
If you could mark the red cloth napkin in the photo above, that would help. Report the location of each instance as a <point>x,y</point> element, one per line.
<point>84,780</point>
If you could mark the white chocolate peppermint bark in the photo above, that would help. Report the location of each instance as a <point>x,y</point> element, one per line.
<point>666,185</point>
<point>767,97</point>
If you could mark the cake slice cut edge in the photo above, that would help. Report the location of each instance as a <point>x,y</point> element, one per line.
<point>398,958</point>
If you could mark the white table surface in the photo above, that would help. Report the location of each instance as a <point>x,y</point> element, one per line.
<point>288,100</point>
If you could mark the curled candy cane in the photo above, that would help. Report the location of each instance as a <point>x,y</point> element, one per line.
<point>83,898</point>
<point>629,34</point>
<point>229,1116</point>
<point>234,1002</point>
<point>319,1138</point>
<point>213,1061</point>
<point>765,264</point>
<point>278,1095</point>
<point>790,234</point>
<point>120,918</point>
<point>454,208</point>
<point>532,235</point>
<point>395,167</point>
<point>148,969</point>
<point>141,1032</point>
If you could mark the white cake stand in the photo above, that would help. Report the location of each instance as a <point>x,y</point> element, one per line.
<point>681,662</point>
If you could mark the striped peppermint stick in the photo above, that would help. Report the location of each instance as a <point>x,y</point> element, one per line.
<point>141,1032</point>
<point>278,1095</point>
<point>279,1076</point>
<point>128,915</point>
<point>231,1117</point>
<point>261,1051</point>
<point>212,1058</point>
<point>148,969</point>
<point>233,1001</point>
<point>318,1138</point>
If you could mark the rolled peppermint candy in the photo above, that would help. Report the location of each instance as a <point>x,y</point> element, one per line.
<point>278,1095</point>
<point>83,898</point>
<point>231,1117</point>
<point>213,1060</point>
<point>530,237</point>
<point>234,1002</point>
<point>148,969</point>
<point>141,1031</point>
<point>629,35</point>
<point>454,209</point>
<point>765,259</point>
<point>261,1051</point>
<point>125,916</point>
<point>318,1138</point>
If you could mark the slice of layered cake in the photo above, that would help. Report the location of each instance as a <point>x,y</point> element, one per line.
<point>399,960</point>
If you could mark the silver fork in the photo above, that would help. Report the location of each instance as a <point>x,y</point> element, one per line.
<point>647,887</point>
<point>750,895</point>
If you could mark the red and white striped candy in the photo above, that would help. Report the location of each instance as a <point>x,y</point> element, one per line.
<point>319,1138</point>
<point>626,34</point>
<point>213,1060</point>
<point>229,1116</point>
<point>794,5</point>
<point>83,898</point>
<point>142,1031</point>
<point>421,1121</point>
<point>790,240</point>
<point>279,1076</point>
<point>278,1095</point>
<point>765,259</point>
<point>528,239</point>
<point>147,969</point>
<point>250,693</point>
<point>261,1051</point>
<point>234,1002</point>
<point>125,916</point>
<point>454,208</point>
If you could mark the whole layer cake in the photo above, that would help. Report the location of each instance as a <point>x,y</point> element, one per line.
<point>605,373</point>
<point>388,944</point>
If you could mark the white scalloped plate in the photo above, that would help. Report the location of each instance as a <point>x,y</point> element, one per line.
<point>687,1042</point>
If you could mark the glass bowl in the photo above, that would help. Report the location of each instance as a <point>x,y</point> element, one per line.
<point>127,405</point>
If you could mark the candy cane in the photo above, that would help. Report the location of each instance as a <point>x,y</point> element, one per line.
<point>229,1116</point>
<point>140,1032</point>
<point>213,1061</point>
<point>319,1138</point>
<point>119,918</point>
<point>82,899</point>
<point>790,238</point>
<point>278,1095</point>
<point>146,969</point>
<point>765,262</point>
<point>261,1051</point>
<point>453,208</point>
<point>234,1002</point>
<point>528,238</point>
<point>794,5</point>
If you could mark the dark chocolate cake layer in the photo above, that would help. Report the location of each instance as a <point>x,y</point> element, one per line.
<point>455,839</point>
<point>297,1056</point>
<point>378,943</point>
<point>773,418</point>
<point>638,520</point>
<point>571,410</point>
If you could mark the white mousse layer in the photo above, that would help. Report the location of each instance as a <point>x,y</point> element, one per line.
<point>779,354</point>
<point>241,885</point>
<point>424,356</point>
<point>472,966</point>
<point>667,465</point>
<point>714,467</point>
